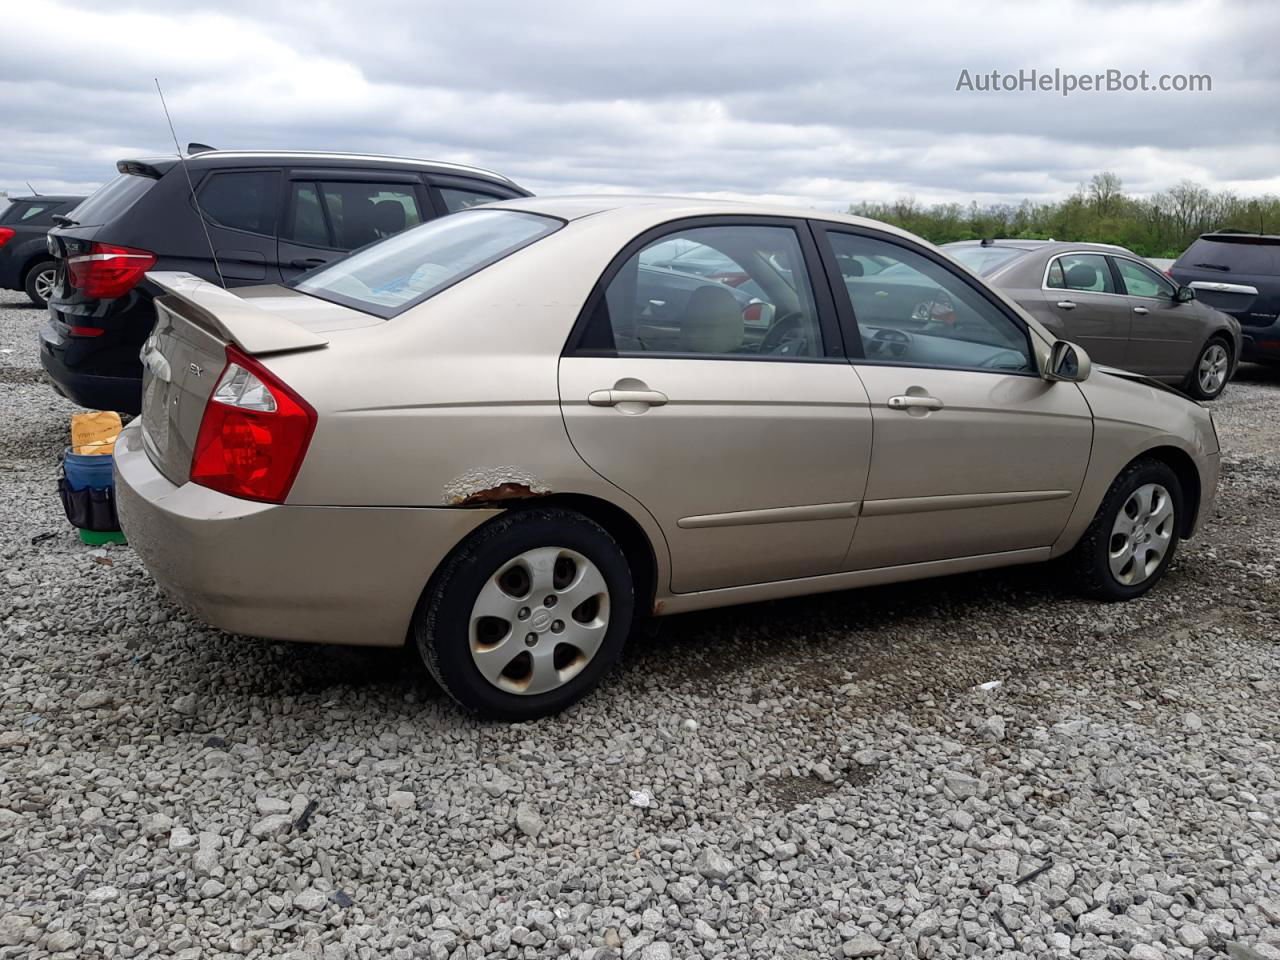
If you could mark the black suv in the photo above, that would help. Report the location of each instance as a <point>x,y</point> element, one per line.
<point>1239,273</point>
<point>271,216</point>
<point>25,263</point>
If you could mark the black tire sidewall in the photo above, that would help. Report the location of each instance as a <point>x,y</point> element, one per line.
<point>1193,379</point>
<point>1141,474</point>
<point>442,622</point>
<point>29,282</point>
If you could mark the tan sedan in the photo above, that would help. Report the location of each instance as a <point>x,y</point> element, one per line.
<point>506,434</point>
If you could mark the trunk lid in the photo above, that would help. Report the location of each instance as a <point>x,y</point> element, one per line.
<point>186,354</point>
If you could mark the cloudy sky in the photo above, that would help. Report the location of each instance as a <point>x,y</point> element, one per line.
<point>822,103</point>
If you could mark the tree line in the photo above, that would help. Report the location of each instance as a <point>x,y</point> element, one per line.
<point>1161,225</point>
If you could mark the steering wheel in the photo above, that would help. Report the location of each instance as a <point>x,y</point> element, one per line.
<point>783,332</point>
<point>889,344</point>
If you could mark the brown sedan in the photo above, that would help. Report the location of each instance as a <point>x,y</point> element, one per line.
<point>1115,305</point>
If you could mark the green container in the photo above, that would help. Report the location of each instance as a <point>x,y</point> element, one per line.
<point>95,539</point>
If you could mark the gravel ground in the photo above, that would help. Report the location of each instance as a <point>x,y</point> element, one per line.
<point>823,778</point>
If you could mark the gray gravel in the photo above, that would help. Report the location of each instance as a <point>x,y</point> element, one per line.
<point>823,778</point>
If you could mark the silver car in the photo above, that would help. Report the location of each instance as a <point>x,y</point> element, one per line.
<point>1114,304</point>
<point>504,435</point>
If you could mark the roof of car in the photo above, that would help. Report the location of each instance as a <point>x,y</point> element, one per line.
<point>55,197</point>
<point>576,207</point>
<point>1020,244</point>
<point>218,157</point>
<point>1239,236</point>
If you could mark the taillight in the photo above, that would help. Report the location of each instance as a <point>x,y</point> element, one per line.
<point>107,270</point>
<point>6,234</point>
<point>254,433</point>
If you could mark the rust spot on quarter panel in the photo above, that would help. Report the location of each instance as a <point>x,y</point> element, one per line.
<point>503,491</point>
<point>493,485</point>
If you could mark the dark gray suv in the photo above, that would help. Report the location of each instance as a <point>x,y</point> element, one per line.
<point>270,216</point>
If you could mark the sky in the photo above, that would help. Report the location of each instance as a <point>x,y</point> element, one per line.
<point>815,103</point>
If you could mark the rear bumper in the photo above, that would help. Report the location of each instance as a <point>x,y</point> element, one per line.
<point>1260,343</point>
<point>92,390</point>
<point>319,574</point>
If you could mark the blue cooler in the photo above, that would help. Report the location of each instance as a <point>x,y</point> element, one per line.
<point>88,496</point>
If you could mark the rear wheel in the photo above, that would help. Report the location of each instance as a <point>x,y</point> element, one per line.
<point>1208,378</point>
<point>1134,535</point>
<point>527,615</point>
<point>39,282</point>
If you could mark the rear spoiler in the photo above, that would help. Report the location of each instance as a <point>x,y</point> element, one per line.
<point>234,319</point>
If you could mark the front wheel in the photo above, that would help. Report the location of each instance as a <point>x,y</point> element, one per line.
<point>527,615</point>
<point>1134,534</point>
<point>1209,376</point>
<point>39,282</point>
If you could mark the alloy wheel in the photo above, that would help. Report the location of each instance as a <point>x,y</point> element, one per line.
<point>1141,535</point>
<point>539,620</point>
<point>43,284</point>
<point>1212,372</point>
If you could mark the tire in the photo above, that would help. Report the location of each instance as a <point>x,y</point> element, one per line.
<point>34,282</point>
<point>1211,371</point>
<point>553,654</point>
<point>1094,571</point>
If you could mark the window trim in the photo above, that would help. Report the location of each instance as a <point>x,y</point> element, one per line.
<point>849,321</point>
<point>828,325</point>
<point>1115,258</point>
<point>273,234</point>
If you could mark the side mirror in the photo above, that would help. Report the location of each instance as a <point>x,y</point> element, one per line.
<point>1184,294</point>
<point>1068,363</point>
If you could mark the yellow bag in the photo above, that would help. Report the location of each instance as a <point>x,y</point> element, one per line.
<point>95,432</point>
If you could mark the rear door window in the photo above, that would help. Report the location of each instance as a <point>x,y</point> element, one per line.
<point>111,200</point>
<point>360,213</point>
<point>305,222</point>
<point>1086,272</point>
<point>242,200</point>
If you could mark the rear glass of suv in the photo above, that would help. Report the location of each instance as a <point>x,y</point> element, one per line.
<point>391,276</point>
<point>1247,255</point>
<point>29,211</point>
<point>111,200</point>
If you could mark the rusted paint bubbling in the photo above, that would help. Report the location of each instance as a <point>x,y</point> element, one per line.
<point>493,485</point>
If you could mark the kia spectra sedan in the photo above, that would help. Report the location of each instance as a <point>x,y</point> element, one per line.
<point>504,435</point>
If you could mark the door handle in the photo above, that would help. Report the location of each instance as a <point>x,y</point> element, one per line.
<point>1141,310</point>
<point>611,398</point>
<point>306,263</point>
<point>1067,304</point>
<point>908,401</point>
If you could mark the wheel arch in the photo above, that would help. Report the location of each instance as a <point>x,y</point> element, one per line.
<point>620,525</point>
<point>1184,468</point>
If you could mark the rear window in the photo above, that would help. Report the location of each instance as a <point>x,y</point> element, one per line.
<point>983,260</point>
<point>395,274</point>
<point>1228,256</point>
<point>29,211</point>
<point>111,200</point>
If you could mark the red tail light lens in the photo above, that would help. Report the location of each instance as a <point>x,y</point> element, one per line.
<point>254,433</point>
<point>108,271</point>
<point>6,234</point>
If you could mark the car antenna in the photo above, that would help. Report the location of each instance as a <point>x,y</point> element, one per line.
<point>190,186</point>
<point>33,190</point>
